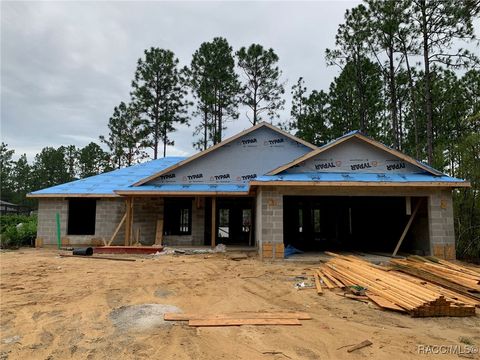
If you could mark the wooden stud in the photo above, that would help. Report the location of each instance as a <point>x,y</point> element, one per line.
<point>159,232</point>
<point>128,224</point>
<point>214,221</point>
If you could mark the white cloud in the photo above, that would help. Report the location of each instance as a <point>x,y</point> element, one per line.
<point>65,65</point>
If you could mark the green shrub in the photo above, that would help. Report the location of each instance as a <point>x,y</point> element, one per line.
<point>17,230</point>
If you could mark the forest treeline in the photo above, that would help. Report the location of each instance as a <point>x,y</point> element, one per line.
<point>404,78</point>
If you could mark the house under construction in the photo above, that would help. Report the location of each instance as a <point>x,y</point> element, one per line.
<point>266,189</point>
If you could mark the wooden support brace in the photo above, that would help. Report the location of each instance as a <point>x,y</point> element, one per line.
<point>117,229</point>
<point>407,227</point>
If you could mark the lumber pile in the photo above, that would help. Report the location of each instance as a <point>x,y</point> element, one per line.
<point>444,273</point>
<point>239,318</point>
<point>398,291</point>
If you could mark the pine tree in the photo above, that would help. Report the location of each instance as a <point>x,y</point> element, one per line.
<point>262,90</point>
<point>159,94</point>
<point>216,87</point>
<point>436,25</point>
<point>127,137</point>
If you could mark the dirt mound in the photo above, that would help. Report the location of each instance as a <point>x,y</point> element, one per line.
<point>141,317</point>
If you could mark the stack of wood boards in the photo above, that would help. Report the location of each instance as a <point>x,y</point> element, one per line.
<point>240,318</point>
<point>461,279</point>
<point>394,290</point>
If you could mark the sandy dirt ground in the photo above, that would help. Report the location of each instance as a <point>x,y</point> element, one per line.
<point>67,308</point>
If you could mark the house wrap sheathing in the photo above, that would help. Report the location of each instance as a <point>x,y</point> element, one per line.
<point>266,189</point>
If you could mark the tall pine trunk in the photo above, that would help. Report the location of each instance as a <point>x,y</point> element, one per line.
<point>205,128</point>
<point>412,98</point>
<point>428,93</point>
<point>393,98</point>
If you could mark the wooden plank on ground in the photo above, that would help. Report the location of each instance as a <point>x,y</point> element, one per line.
<point>238,322</point>
<point>384,303</point>
<point>317,284</point>
<point>242,315</point>
<point>325,280</point>
<point>360,346</point>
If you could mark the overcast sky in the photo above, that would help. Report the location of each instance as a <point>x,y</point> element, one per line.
<point>65,65</point>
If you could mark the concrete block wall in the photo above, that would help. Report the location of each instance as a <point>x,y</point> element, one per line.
<point>47,223</point>
<point>109,212</point>
<point>269,216</point>
<point>441,224</point>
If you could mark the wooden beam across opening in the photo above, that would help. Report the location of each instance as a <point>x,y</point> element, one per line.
<point>214,220</point>
<point>407,227</point>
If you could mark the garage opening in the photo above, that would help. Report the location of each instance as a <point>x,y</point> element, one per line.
<point>355,223</point>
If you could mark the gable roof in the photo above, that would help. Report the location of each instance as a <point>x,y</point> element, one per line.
<point>103,185</point>
<point>223,143</point>
<point>358,135</point>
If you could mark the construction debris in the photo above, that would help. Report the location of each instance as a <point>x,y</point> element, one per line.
<point>398,290</point>
<point>363,344</point>
<point>237,319</point>
<point>96,257</point>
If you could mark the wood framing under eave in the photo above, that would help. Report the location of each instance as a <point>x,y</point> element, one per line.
<point>72,195</point>
<point>220,144</point>
<point>444,184</point>
<point>359,136</point>
<point>183,193</point>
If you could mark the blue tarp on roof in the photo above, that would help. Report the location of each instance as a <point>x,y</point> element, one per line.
<point>106,183</point>
<point>359,177</point>
<point>191,188</point>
